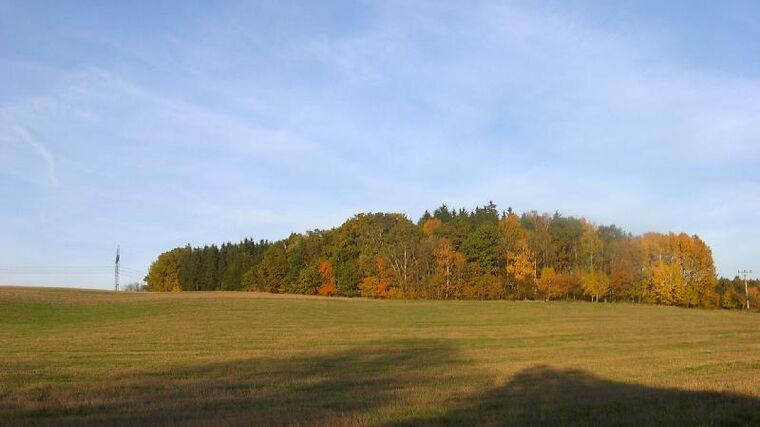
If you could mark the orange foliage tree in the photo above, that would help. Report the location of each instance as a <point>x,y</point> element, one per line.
<point>325,270</point>
<point>377,285</point>
<point>550,285</point>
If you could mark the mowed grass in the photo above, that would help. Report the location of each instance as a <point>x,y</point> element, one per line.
<point>75,357</point>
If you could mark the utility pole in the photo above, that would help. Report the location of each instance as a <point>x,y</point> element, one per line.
<point>116,271</point>
<point>744,274</point>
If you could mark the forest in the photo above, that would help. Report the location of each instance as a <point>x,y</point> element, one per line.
<point>460,254</point>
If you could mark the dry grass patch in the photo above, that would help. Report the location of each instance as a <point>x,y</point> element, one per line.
<point>72,357</point>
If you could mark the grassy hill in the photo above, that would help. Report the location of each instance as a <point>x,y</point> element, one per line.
<point>78,357</point>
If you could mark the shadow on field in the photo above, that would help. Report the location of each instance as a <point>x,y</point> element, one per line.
<point>346,387</point>
<point>545,396</point>
<point>399,385</point>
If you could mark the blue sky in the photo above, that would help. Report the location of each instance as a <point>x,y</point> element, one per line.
<point>155,124</point>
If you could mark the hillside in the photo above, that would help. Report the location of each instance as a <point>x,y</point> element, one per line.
<point>74,357</point>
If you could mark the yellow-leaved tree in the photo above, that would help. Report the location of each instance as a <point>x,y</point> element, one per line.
<point>550,285</point>
<point>595,284</point>
<point>521,270</point>
<point>449,266</point>
<point>666,283</point>
<point>163,275</point>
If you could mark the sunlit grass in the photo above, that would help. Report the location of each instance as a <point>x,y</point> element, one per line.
<point>78,357</point>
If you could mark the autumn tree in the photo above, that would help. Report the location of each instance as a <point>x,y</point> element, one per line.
<point>521,270</point>
<point>327,287</point>
<point>591,246</point>
<point>666,284</point>
<point>622,279</point>
<point>490,287</point>
<point>430,225</point>
<point>596,284</point>
<point>700,275</point>
<point>449,268</point>
<point>677,269</point>
<point>272,270</point>
<point>550,285</point>
<point>163,275</point>
<point>511,231</point>
<point>399,246</point>
<point>539,239</point>
<point>378,284</point>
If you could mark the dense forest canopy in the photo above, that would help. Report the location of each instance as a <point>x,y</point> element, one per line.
<point>461,254</point>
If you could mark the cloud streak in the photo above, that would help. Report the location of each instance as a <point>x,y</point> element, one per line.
<point>16,134</point>
<point>46,155</point>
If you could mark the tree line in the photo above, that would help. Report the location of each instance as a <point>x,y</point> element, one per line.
<point>460,254</point>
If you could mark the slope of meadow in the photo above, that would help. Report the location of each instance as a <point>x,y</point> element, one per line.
<point>77,357</point>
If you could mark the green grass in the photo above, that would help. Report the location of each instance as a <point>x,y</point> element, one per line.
<point>72,357</point>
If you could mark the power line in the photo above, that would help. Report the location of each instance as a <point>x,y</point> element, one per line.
<point>63,267</point>
<point>72,270</point>
<point>132,273</point>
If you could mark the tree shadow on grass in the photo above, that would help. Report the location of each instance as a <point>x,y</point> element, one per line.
<point>343,388</point>
<point>542,396</point>
<point>405,384</point>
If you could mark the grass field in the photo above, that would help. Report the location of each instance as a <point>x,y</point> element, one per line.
<point>74,357</point>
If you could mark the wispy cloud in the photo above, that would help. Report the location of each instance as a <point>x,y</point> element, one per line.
<point>13,133</point>
<point>46,155</point>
